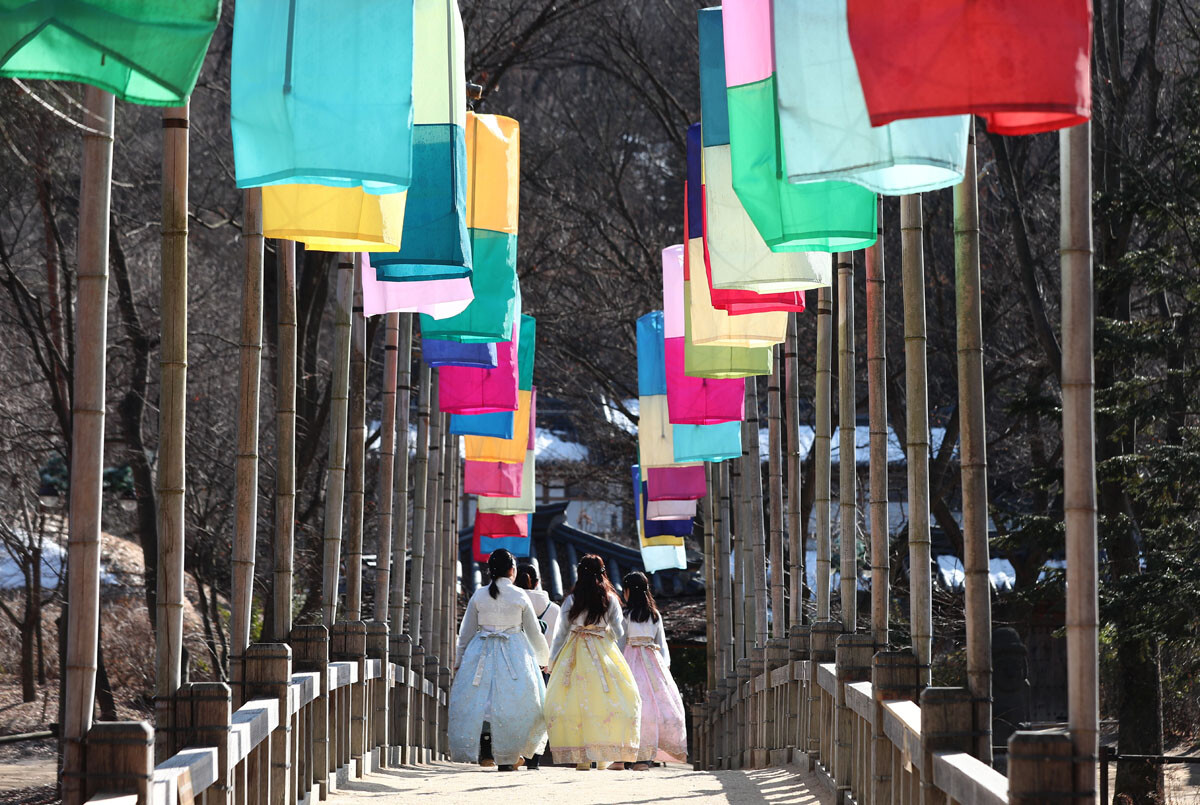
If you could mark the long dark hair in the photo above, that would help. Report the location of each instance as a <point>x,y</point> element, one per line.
<point>527,577</point>
<point>639,599</point>
<point>500,564</point>
<point>592,589</point>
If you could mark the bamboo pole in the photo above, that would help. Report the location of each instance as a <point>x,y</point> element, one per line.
<point>916,392</point>
<point>877,413</point>
<point>285,440</point>
<point>450,613</point>
<point>752,478</point>
<point>974,451</point>
<point>791,359</point>
<point>432,517</point>
<point>737,521</point>
<point>1079,457</point>
<point>172,425</point>
<point>87,441</point>
<point>357,434</point>
<point>387,469</point>
<point>400,482</point>
<point>339,411</point>
<point>420,514</point>
<point>847,453</point>
<point>449,542</point>
<point>821,444</point>
<point>710,577</point>
<point>245,524</point>
<point>725,623</point>
<point>775,495</point>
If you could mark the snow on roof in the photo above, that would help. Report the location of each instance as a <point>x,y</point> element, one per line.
<point>549,446</point>
<point>862,444</point>
<point>617,418</point>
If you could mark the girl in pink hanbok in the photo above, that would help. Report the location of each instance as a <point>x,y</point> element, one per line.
<point>664,734</point>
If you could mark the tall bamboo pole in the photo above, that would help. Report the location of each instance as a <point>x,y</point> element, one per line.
<point>357,434</point>
<point>450,613</point>
<point>339,410</point>
<point>433,511</point>
<point>285,440</point>
<point>172,424</point>
<point>974,451</point>
<point>387,469</point>
<point>791,359</point>
<point>847,453</point>
<point>87,440</point>
<point>775,494</point>
<point>725,623</point>
<point>737,542</point>
<point>420,513</point>
<point>821,445</point>
<point>877,413</point>
<point>449,542</point>
<point>710,578</point>
<point>245,524</point>
<point>916,392</point>
<point>1079,456</point>
<point>400,482</point>
<point>752,478</point>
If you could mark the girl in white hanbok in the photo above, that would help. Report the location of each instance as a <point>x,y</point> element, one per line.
<point>499,678</point>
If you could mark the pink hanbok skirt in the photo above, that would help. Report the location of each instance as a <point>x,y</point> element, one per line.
<point>664,730</point>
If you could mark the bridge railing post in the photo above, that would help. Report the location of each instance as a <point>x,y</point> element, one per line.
<point>401,654</point>
<point>852,657</point>
<point>118,759</point>
<point>268,671</point>
<point>348,643</point>
<point>823,638</point>
<point>798,642</point>
<point>419,709</point>
<point>947,716</point>
<point>310,644</point>
<point>776,699</point>
<point>1040,768</point>
<point>204,717</point>
<point>377,649</point>
<point>894,675</point>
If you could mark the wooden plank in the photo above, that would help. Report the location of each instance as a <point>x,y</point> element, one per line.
<point>200,763</point>
<point>374,669</point>
<point>252,724</point>
<point>860,700</point>
<point>827,677</point>
<point>968,780</point>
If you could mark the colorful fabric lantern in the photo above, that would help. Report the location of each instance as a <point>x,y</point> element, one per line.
<point>493,166</point>
<point>818,216</point>
<point>1023,65</point>
<point>717,362</point>
<point>510,451</point>
<point>656,445</point>
<point>699,400</point>
<point>713,327</point>
<point>661,541</point>
<point>438,298</point>
<point>492,478</point>
<point>733,302</point>
<point>306,72</point>
<point>333,219</point>
<point>523,501</point>
<point>676,483</point>
<point>498,425</point>
<point>670,510</point>
<point>438,353</point>
<point>651,355</point>
<point>714,443</point>
<point>482,391</point>
<point>495,531</point>
<point>527,353</point>
<point>147,52</point>
<point>435,222</point>
<point>823,118</point>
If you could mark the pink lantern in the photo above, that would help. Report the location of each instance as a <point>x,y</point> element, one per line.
<point>700,400</point>
<point>670,509</point>
<point>466,390</point>
<point>676,483</point>
<point>438,298</point>
<point>493,479</point>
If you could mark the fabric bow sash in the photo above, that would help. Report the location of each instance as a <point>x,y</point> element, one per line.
<point>494,642</point>
<point>589,635</point>
<point>642,641</point>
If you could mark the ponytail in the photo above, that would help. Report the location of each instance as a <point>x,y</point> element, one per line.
<point>500,564</point>
<point>592,589</point>
<point>527,577</point>
<point>637,595</point>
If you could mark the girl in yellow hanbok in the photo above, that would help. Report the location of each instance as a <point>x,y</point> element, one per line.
<point>593,709</point>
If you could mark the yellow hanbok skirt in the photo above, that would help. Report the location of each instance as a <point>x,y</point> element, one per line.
<point>593,708</point>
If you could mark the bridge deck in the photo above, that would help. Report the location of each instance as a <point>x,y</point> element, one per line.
<point>455,783</point>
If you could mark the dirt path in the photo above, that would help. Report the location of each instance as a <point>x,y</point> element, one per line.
<point>454,783</point>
